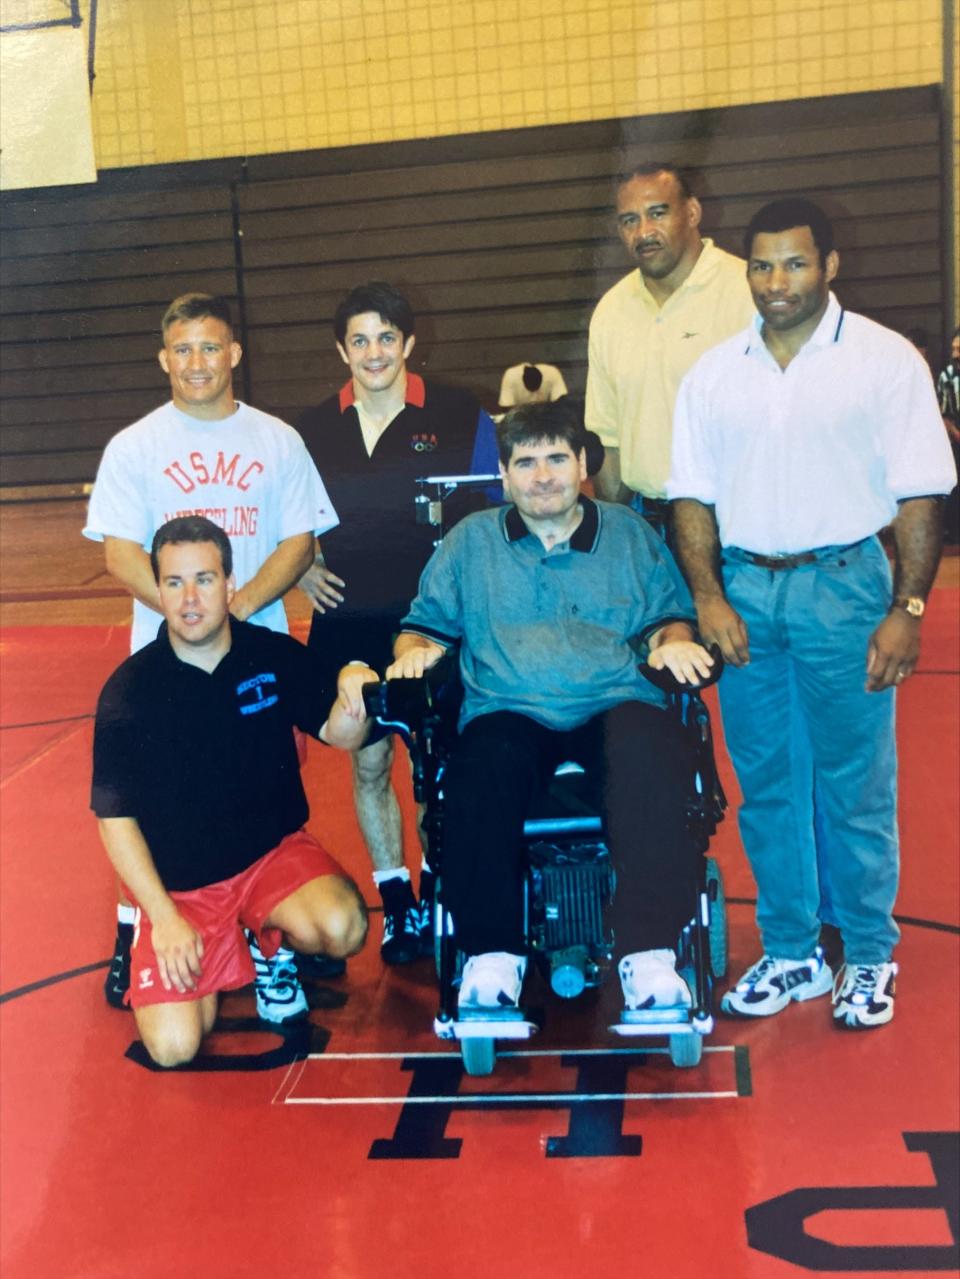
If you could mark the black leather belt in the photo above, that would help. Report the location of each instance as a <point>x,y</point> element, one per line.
<point>780,561</point>
<point>775,562</point>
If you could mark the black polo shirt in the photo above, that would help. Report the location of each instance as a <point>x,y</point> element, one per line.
<point>207,763</point>
<point>378,548</point>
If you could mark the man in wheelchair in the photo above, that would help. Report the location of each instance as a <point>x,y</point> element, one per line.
<point>553,601</point>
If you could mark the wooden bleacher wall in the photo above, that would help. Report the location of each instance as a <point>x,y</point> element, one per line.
<point>503,241</point>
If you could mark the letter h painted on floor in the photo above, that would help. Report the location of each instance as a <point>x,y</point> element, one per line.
<point>596,1112</point>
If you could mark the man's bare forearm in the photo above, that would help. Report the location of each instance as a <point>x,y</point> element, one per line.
<point>132,860</point>
<point>697,546</point>
<point>918,539</point>
<point>607,483</point>
<point>129,563</point>
<point>280,571</point>
<point>177,945</point>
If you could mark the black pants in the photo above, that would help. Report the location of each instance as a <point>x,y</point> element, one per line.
<point>640,769</point>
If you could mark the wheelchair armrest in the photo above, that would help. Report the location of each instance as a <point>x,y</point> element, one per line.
<point>410,703</point>
<point>667,682</point>
<point>404,702</point>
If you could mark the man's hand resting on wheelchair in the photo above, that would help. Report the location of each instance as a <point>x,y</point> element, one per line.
<point>673,648</point>
<point>350,684</point>
<point>412,655</point>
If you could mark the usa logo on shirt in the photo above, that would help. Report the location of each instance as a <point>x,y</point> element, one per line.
<point>261,694</point>
<point>424,442</point>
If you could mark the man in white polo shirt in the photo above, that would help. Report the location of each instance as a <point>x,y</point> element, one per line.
<point>795,442</point>
<point>685,296</point>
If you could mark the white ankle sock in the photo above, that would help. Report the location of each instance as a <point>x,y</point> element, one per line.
<point>381,877</point>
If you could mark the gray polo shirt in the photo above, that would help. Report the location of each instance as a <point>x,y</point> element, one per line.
<point>546,633</point>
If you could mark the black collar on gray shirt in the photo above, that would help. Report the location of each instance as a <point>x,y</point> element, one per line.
<point>584,537</point>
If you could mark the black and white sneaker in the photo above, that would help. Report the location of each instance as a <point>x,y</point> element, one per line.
<point>863,995</point>
<point>401,923</point>
<point>770,985</point>
<point>280,997</point>
<point>117,981</point>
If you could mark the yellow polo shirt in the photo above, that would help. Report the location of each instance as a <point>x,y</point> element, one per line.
<point>639,354</point>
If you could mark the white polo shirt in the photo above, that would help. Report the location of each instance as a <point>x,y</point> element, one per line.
<point>818,453</point>
<point>639,353</point>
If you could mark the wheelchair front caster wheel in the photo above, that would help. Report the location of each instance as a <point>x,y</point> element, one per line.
<point>686,1050</point>
<point>479,1055</point>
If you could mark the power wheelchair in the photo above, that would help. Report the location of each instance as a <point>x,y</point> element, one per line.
<point>569,881</point>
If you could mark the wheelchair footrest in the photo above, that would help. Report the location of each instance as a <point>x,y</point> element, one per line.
<point>491,1026</point>
<point>661,1021</point>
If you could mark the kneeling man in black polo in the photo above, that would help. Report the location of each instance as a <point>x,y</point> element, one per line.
<point>197,787</point>
<point>550,598</point>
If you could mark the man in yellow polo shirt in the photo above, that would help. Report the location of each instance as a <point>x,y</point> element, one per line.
<point>685,296</point>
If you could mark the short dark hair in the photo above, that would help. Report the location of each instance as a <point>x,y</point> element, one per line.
<point>783,215</point>
<point>647,168</point>
<point>377,296</point>
<point>535,423</point>
<point>191,528</point>
<point>197,306</point>
<point>532,377</point>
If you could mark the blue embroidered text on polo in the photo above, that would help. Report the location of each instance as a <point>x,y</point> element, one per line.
<point>261,701</point>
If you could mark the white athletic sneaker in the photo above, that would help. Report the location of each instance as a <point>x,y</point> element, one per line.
<point>280,997</point>
<point>863,995</point>
<point>649,979</point>
<point>492,980</point>
<point>770,985</point>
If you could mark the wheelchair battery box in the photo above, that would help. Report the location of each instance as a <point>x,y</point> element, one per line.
<point>569,889</point>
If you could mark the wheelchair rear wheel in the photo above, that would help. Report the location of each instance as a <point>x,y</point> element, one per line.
<point>479,1055</point>
<point>717,931</point>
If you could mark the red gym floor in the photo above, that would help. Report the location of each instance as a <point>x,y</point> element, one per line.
<point>355,1147</point>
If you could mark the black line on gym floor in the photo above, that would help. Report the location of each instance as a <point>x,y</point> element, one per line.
<point>46,723</point>
<point>742,1071</point>
<point>53,981</point>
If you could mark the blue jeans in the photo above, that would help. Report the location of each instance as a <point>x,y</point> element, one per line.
<point>815,754</point>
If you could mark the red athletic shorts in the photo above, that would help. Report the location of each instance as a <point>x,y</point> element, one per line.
<point>219,912</point>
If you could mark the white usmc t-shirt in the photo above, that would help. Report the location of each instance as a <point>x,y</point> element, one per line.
<point>249,473</point>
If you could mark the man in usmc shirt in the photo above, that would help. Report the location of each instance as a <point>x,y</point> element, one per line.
<point>197,787</point>
<point>206,453</point>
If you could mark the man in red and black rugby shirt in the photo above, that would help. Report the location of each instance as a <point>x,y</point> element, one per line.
<point>386,428</point>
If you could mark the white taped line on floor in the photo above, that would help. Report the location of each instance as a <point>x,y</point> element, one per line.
<point>479,1099</point>
<point>498,1098</point>
<point>532,1052</point>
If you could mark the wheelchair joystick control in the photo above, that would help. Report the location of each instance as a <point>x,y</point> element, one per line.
<point>568,971</point>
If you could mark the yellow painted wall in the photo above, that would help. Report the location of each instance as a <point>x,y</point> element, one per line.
<point>197,79</point>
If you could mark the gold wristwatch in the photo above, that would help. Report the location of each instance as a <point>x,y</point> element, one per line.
<point>911,604</point>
